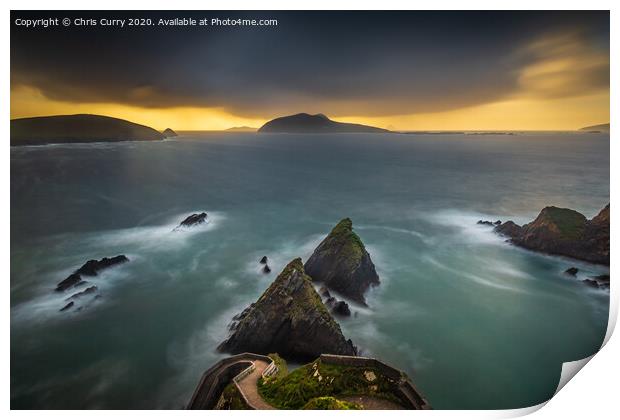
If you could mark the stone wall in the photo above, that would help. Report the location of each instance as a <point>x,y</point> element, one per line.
<point>406,390</point>
<point>215,379</point>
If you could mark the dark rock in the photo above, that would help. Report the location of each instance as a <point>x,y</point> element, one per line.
<point>263,260</point>
<point>88,291</point>
<point>341,308</point>
<point>572,271</point>
<point>330,302</point>
<point>564,232</point>
<point>591,283</point>
<point>509,229</point>
<point>484,222</point>
<point>289,319</point>
<point>601,281</point>
<point>67,306</point>
<point>194,219</point>
<point>324,292</point>
<point>90,268</point>
<point>342,263</point>
<point>497,222</point>
<point>266,269</point>
<point>169,132</point>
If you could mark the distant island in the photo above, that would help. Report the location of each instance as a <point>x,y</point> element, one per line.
<point>243,129</point>
<point>600,127</point>
<point>79,128</point>
<point>318,123</point>
<point>169,132</point>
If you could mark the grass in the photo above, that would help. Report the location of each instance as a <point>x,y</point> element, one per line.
<point>317,379</point>
<point>281,364</point>
<point>569,222</point>
<point>231,399</point>
<point>330,403</point>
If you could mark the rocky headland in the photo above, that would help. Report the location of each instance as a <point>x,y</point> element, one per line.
<point>564,232</point>
<point>80,128</point>
<point>342,264</point>
<point>290,319</point>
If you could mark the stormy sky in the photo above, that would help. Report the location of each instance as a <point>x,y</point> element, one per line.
<point>372,64</point>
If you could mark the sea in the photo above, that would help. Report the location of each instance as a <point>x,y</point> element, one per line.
<point>475,322</point>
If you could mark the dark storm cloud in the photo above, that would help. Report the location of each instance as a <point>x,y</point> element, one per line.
<point>372,63</point>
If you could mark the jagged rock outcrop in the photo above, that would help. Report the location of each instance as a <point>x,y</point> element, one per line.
<point>342,263</point>
<point>194,219</point>
<point>263,260</point>
<point>599,282</point>
<point>90,268</point>
<point>563,232</point>
<point>288,319</point>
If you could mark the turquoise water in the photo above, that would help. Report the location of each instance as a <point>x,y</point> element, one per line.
<point>475,322</point>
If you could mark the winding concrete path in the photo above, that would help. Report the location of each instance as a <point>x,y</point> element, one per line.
<point>249,386</point>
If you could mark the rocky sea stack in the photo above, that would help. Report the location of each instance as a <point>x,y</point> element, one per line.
<point>288,319</point>
<point>565,232</point>
<point>342,264</point>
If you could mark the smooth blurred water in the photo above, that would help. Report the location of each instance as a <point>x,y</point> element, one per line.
<point>475,322</point>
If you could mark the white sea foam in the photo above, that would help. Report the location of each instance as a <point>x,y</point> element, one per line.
<point>160,237</point>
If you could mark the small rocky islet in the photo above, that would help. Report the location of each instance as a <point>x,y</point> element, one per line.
<point>90,269</point>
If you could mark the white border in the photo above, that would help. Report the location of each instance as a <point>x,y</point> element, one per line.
<point>591,395</point>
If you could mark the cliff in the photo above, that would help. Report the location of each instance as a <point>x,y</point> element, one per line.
<point>289,319</point>
<point>341,263</point>
<point>319,123</point>
<point>80,128</point>
<point>565,232</point>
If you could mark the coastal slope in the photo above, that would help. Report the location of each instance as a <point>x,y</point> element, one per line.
<point>318,123</point>
<point>79,128</point>
<point>288,319</point>
<point>341,263</point>
<point>565,232</point>
<point>599,127</point>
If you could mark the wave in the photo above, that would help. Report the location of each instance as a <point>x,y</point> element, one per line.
<point>159,237</point>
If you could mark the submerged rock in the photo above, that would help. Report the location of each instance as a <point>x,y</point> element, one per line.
<point>341,308</point>
<point>266,269</point>
<point>601,281</point>
<point>563,232</point>
<point>90,268</point>
<point>484,222</point>
<point>194,219</point>
<point>324,292</point>
<point>67,306</point>
<point>289,319</point>
<point>572,271</point>
<point>88,291</point>
<point>263,260</point>
<point>342,263</point>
